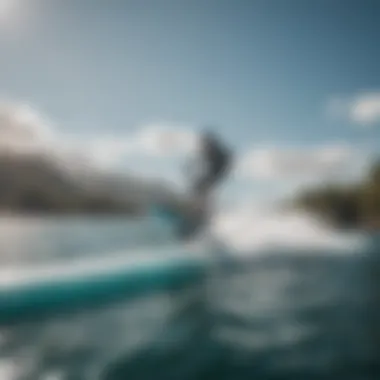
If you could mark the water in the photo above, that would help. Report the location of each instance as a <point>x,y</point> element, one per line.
<point>300,302</point>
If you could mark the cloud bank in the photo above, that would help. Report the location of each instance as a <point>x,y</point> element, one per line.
<point>298,164</point>
<point>23,130</point>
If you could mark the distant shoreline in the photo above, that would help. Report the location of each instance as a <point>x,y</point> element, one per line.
<point>351,206</point>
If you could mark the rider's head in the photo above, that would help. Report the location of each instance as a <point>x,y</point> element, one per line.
<point>208,135</point>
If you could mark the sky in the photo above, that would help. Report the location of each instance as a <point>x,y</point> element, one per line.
<point>292,86</point>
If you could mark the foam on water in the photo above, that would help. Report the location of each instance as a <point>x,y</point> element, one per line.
<point>8,370</point>
<point>256,230</point>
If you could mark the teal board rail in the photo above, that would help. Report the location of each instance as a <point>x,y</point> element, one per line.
<point>40,291</point>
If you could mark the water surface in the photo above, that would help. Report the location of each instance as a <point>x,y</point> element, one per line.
<point>307,314</point>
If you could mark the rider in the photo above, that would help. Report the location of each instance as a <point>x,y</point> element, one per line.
<point>215,159</point>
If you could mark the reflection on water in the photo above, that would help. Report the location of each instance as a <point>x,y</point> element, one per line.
<point>282,316</point>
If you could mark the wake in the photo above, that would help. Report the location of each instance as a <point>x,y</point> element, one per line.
<point>254,231</point>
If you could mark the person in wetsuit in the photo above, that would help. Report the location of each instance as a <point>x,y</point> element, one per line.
<point>215,160</point>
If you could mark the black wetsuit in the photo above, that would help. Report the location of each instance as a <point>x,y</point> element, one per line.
<point>217,160</point>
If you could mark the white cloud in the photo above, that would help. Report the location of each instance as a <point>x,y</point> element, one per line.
<point>23,130</point>
<point>362,109</point>
<point>289,164</point>
<point>22,122</point>
<point>365,108</point>
<point>154,143</point>
<point>164,140</point>
<point>104,152</point>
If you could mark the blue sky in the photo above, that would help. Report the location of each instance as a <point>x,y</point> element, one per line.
<point>261,71</point>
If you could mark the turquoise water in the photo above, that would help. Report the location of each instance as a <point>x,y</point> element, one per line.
<point>284,315</point>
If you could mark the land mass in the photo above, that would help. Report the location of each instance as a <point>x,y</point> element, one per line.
<point>40,185</point>
<point>354,206</point>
